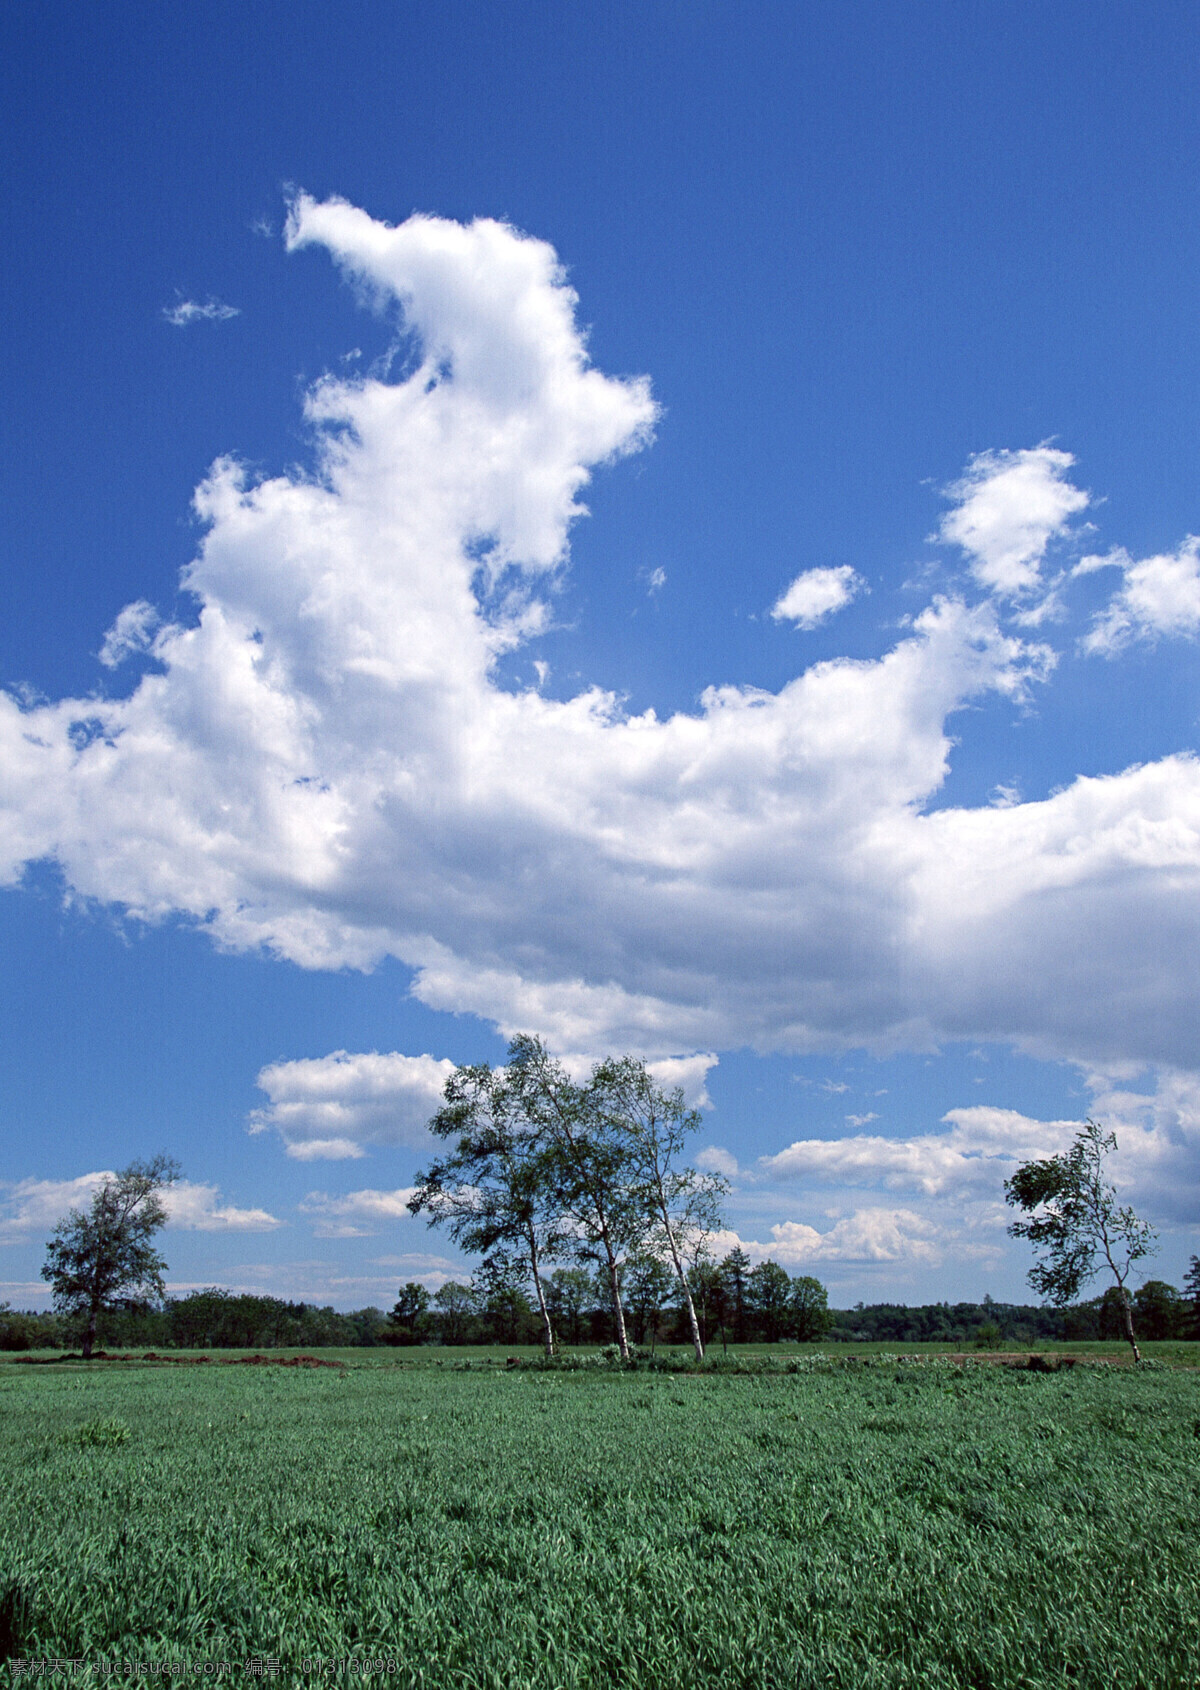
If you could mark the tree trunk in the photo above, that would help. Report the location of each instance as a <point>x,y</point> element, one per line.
<point>1127,1311</point>
<point>697,1342</point>
<point>89,1333</point>
<point>547,1328</point>
<point>618,1311</point>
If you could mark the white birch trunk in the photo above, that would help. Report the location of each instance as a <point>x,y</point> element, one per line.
<point>547,1329</point>
<point>618,1311</point>
<point>681,1275</point>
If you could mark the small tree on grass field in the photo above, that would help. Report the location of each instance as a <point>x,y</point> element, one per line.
<point>768,1294</point>
<point>408,1316</point>
<point>1076,1225</point>
<point>810,1317</point>
<point>105,1259</point>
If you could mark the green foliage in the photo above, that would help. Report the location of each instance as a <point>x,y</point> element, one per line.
<point>1159,1310</point>
<point>542,1167</point>
<point>768,1296</point>
<point>808,1310</point>
<point>857,1527</point>
<point>407,1321</point>
<point>494,1190</point>
<point>569,1293</point>
<point>217,1319</point>
<point>648,1286</point>
<point>455,1306</point>
<point>734,1271</point>
<point>1191,1291</point>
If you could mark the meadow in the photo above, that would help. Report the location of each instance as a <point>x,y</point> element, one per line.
<point>439,1522</point>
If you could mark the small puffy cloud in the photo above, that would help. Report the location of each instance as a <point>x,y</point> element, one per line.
<point>1159,598</point>
<point>816,594</point>
<point>656,581</point>
<point>132,632</point>
<point>862,1120</point>
<point>359,1214</point>
<point>197,1208</point>
<point>33,1206</point>
<point>210,310</point>
<point>690,1073</point>
<point>1008,507</point>
<point>714,1160</point>
<point>867,1235</point>
<point>330,1107</point>
<point>874,1235</point>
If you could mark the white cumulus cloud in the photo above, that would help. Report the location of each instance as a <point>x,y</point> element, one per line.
<point>816,594</point>
<point>867,1236</point>
<point>977,1153</point>
<point>1008,507</point>
<point>716,1160</point>
<point>330,1107</point>
<point>325,763</point>
<point>1159,598</point>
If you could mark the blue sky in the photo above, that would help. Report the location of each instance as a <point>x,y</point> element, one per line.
<point>888,434</point>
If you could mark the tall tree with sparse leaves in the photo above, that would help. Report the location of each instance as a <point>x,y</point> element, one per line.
<point>104,1258</point>
<point>1076,1225</point>
<point>491,1191</point>
<point>682,1206</point>
<point>586,1164</point>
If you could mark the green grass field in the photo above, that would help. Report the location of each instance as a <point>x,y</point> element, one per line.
<point>876,1524</point>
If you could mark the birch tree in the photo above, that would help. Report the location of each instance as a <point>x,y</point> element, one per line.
<point>491,1192</point>
<point>586,1165</point>
<point>1076,1225</point>
<point>681,1205</point>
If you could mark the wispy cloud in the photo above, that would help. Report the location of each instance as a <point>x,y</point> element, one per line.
<point>132,632</point>
<point>359,1214</point>
<point>210,310</point>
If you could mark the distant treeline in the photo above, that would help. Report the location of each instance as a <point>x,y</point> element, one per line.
<point>736,1304</point>
<point>211,1319</point>
<point>1159,1312</point>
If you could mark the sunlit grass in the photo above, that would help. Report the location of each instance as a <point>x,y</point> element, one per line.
<point>889,1525</point>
